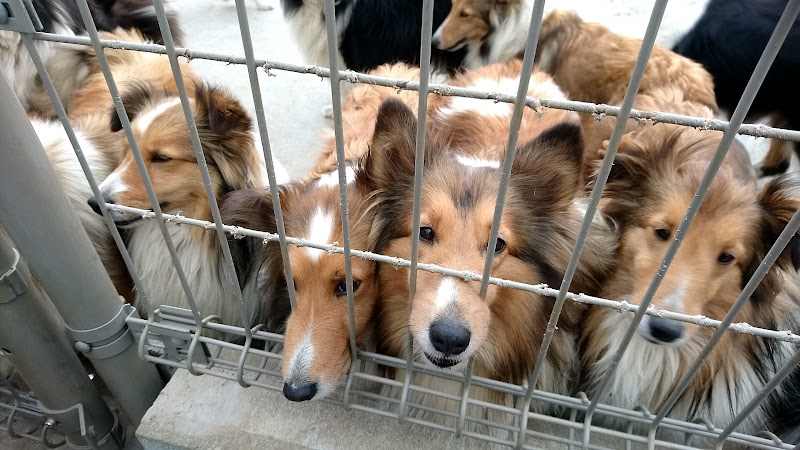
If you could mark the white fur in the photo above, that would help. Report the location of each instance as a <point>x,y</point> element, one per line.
<point>506,41</point>
<point>320,232</point>
<point>308,29</point>
<point>507,86</point>
<point>112,184</point>
<point>477,163</point>
<point>300,361</point>
<point>144,121</point>
<point>648,371</point>
<point>446,294</point>
<point>331,179</point>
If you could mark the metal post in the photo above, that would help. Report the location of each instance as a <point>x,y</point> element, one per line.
<point>37,215</point>
<point>29,330</point>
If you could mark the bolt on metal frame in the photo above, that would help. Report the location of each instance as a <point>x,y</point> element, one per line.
<point>525,393</point>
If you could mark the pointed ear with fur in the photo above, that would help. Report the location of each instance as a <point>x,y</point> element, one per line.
<point>135,97</point>
<point>225,130</point>
<point>390,162</point>
<point>249,208</point>
<point>778,204</point>
<point>625,180</point>
<point>549,167</point>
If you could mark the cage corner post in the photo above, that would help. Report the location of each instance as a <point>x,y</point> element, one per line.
<point>38,217</point>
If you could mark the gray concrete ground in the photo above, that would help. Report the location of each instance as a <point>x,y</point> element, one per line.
<point>226,415</point>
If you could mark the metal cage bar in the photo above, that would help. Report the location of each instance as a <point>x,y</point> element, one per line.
<point>759,74</point>
<point>419,162</point>
<point>266,146</point>
<point>229,271</point>
<point>137,154</point>
<point>341,165</point>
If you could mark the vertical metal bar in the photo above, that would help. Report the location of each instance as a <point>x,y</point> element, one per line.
<point>508,160</point>
<point>60,253</point>
<point>229,279</point>
<point>785,371</point>
<point>744,296</point>
<point>141,298</point>
<point>266,147</point>
<point>760,72</point>
<point>33,339</point>
<point>336,97</point>
<point>91,29</point>
<point>419,161</point>
<point>616,136</point>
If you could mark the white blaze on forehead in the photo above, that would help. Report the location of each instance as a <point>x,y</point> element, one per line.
<point>476,162</point>
<point>506,86</point>
<point>112,185</point>
<point>319,232</point>
<point>674,301</point>
<point>145,120</point>
<point>446,294</point>
<point>300,361</point>
<point>331,179</point>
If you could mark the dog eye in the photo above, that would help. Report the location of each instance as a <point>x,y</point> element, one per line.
<point>725,258</point>
<point>341,288</point>
<point>463,14</point>
<point>426,234</point>
<point>499,246</point>
<point>160,158</point>
<point>662,234</point>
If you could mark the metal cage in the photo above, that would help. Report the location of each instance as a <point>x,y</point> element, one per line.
<point>173,337</point>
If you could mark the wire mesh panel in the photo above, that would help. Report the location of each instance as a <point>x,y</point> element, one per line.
<point>464,402</point>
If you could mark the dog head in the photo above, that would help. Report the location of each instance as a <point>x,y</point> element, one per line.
<point>449,320</point>
<point>649,190</point>
<point>469,22</point>
<point>160,130</point>
<point>316,353</point>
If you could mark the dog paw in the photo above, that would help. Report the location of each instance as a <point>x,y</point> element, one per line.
<point>327,112</point>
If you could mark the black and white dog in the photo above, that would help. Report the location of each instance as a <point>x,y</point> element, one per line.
<point>371,32</point>
<point>64,62</point>
<point>728,40</point>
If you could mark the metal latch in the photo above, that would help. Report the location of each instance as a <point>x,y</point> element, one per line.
<point>12,285</point>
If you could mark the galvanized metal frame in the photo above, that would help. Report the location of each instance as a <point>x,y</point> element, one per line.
<point>526,393</point>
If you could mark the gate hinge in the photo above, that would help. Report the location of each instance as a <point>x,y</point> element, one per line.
<point>12,285</point>
<point>20,16</point>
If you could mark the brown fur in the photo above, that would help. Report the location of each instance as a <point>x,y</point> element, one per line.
<point>359,110</point>
<point>458,203</point>
<point>128,68</point>
<point>593,64</point>
<point>468,21</point>
<point>320,313</point>
<point>654,178</point>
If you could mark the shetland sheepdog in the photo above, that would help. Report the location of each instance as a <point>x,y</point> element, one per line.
<point>317,341</point>
<point>654,178</point>
<point>491,31</point>
<point>129,68</point>
<point>449,321</point>
<point>729,48</point>
<point>370,32</point>
<point>64,63</point>
<point>159,126</point>
<point>103,151</point>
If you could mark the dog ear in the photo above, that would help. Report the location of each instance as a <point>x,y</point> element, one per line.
<point>225,129</point>
<point>252,209</point>
<point>390,162</point>
<point>778,204</point>
<point>549,166</point>
<point>134,96</point>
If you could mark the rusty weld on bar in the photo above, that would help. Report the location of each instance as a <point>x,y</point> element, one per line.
<point>579,402</point>
<point>755,130</point>
<point>541,289</point>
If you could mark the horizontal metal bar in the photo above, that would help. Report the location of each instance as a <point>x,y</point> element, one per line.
<point>756,130</point>
<point>541,289</point>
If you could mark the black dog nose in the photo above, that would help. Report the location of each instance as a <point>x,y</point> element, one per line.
<point>95,205</point>
<point>449,338</point>
<point>665,330</point>
<point>299,392</point>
